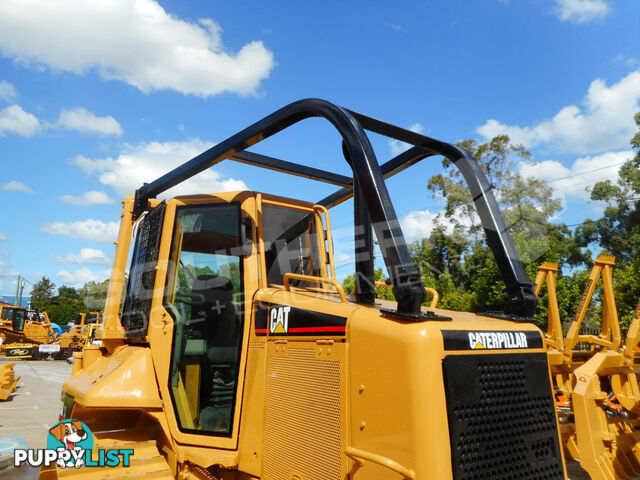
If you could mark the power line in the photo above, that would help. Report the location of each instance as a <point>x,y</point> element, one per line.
<point>584,173</point>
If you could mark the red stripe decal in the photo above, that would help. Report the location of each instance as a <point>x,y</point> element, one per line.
<point>262,330</point>
<point>316,329</point>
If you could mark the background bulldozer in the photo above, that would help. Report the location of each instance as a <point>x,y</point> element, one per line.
<point>597,390</point>
<point>22,336</point>
<point>235,352</point>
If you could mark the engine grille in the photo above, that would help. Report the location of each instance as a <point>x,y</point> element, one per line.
<point>303,436</point>
<point>501,415</point>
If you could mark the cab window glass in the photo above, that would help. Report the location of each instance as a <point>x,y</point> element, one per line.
<point>291,243</point>
<point>204,295</point>
<point>18,319</point>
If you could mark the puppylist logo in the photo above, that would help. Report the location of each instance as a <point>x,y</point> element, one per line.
<point>70,445</point>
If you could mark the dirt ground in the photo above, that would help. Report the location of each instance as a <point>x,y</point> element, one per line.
<point>33,409</point>
<point>35,406</point>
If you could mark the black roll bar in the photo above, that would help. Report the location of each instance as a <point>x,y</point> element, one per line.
<point>369,178</point>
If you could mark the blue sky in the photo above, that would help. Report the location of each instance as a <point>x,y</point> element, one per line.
<point>98,97</point>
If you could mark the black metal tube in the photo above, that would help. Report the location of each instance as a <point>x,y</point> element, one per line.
<point>520,294</point>
<point>264,161</point>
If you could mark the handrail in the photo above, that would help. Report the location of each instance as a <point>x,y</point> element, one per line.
<point>435,296</point>
<point>329,238</point>
<point>360,455</point>
<point>313,279</point>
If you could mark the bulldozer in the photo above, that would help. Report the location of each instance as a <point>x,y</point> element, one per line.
<point>75,339</point>
<point>24,337</point>
<point>234,352</point>
<point>597,387</point>
<point>567,353</point>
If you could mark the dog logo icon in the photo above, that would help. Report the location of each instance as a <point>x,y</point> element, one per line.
<point>73,436</point>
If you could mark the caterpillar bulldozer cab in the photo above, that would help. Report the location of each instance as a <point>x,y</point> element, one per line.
<point>235,353</point>
<point>21,335</point>
<point>12,317</point>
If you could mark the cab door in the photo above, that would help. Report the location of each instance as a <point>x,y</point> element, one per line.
<point>199,325</point>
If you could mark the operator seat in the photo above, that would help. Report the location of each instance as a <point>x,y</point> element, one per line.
<point>220,329</point>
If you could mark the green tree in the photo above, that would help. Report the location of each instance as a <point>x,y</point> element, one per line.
<point>94,295</point>
<point>42,293</point>
<point>455,258</point>
<point>383,293</point>
<point>65,306</point>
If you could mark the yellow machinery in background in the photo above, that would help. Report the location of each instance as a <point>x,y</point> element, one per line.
<point>597,391</point>
<point>8,381</point>
<point>563,355</point>
<point>234,352</point>
<point>75,339</point>
<point>23,336</point>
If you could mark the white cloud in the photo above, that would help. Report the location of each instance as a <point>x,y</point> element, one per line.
<point>94,230</point>
<point>87,122</point>
<point>78,278</point>
<point>92,197</point>
<point>626,60</point>
<point>418,224</point>
<point>7,91</point>
<point>13,119</point>
<point>145,162</point>
<point>341,257</point>
<point>604,122</point>
<point>15,186</point>
<point>3,236</point>
<point>397,147</point>
<point>581,11</point>
<point>87,256</point>
<point>571,182</point>
<point>133,41</point>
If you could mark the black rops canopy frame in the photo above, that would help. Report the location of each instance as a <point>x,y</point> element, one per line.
<point>372,204</point>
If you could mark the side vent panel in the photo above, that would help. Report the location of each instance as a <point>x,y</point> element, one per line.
<point>304,416</point>
<point>501,417</point>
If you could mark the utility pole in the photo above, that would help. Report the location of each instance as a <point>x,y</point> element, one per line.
<point>21,289</point>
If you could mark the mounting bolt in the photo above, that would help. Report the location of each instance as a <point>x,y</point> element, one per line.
<point>361,389</point>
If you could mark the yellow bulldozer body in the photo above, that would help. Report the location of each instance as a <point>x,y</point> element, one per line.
<point>236,353</point>
<point>359,393</point>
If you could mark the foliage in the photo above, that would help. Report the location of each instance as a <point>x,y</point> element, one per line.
<point>95,295</point>
<point>42,292</point>
<point>64,307</point>
<point>383,293</point>
<point>456,260</point>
